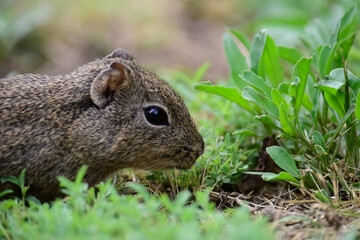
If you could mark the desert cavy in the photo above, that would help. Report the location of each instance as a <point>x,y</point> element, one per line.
<point>108,114</point>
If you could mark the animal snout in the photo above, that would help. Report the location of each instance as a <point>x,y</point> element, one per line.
<point>199,148</point>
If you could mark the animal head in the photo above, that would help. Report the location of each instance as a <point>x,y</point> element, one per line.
<point>138,120</point>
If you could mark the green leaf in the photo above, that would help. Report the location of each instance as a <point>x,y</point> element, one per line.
<point>357,106</point>
<point>339,50</point>
<point>11,179</point>
<point>80,175</point>
<point>341,39</point>
<point>314,99</point>
<point>316,34</point>
<point>33,199</point>
<point>232,94</point>
<point>265,103</point>
<point>284,88</point>
<point>348,24</point>
<point>236,60</point>
<point>278,99</point>
<point>22,179</point>
<point>293,87</point>
<point>307,103</point>
<point>332,89</point>
<point>338,75</point>
<point>340,126</point>
<point>283,160</point>
<point>301,70</point>
<point>319,149</point>
<point>324,53</point>
<point>336,102</point>
<point>318,139</point>
<point>281,176</point>
<point>285,121</point>
<point>334,34</point>
<point>202,199</point>
<point>140,190</point>
<point>331,61</point>
<point>258,83</point>
<point>271,68</point>
<point>322,196</point>
<point>345,45</point>
<point>264,59</point>
<point>313,92</point>
<point>7,191</point>
<point>181,199</point>
<point>257,49</point>
<point>244,132</point>
<point>244,40</point>
<point>290,54</point>
<point>330,86</point>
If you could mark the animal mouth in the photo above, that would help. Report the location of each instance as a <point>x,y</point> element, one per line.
<point>183,158</point>
<point>185,164</point>
<point>187,156</point>
<point>186,159</point>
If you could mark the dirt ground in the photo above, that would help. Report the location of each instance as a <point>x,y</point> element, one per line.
<point>295,216</point>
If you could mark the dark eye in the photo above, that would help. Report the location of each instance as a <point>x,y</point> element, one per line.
<point>156,115</point>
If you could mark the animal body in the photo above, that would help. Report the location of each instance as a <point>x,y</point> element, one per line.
<point>108,114</point>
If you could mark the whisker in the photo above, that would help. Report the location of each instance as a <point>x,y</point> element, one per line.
<point>204,133</point>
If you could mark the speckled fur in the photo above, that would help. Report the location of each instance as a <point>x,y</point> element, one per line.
<point>50,126</point>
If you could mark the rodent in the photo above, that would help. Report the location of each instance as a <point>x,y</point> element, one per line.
<point>108,114</point>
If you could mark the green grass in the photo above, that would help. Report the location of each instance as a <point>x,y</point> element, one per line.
<point>108,215</point>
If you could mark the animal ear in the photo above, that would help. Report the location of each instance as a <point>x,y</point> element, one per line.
<point>107,82</point>
<point>120,53</point>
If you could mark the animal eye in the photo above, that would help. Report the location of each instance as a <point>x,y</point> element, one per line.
<point>156,115</point>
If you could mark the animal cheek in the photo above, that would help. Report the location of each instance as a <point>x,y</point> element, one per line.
<point>116,143</point>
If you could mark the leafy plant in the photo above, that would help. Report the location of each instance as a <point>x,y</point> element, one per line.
<point>20,182</point>
<point>312,110</point>
<point>84,215</point>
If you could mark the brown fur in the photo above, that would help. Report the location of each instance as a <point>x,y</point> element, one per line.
<point>52,125</point>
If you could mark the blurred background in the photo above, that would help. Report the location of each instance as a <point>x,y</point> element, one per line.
<point>54,37</point>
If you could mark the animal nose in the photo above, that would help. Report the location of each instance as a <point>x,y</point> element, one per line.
<point>199,148</point>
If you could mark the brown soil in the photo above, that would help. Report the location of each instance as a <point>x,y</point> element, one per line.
<point>293,215</point>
